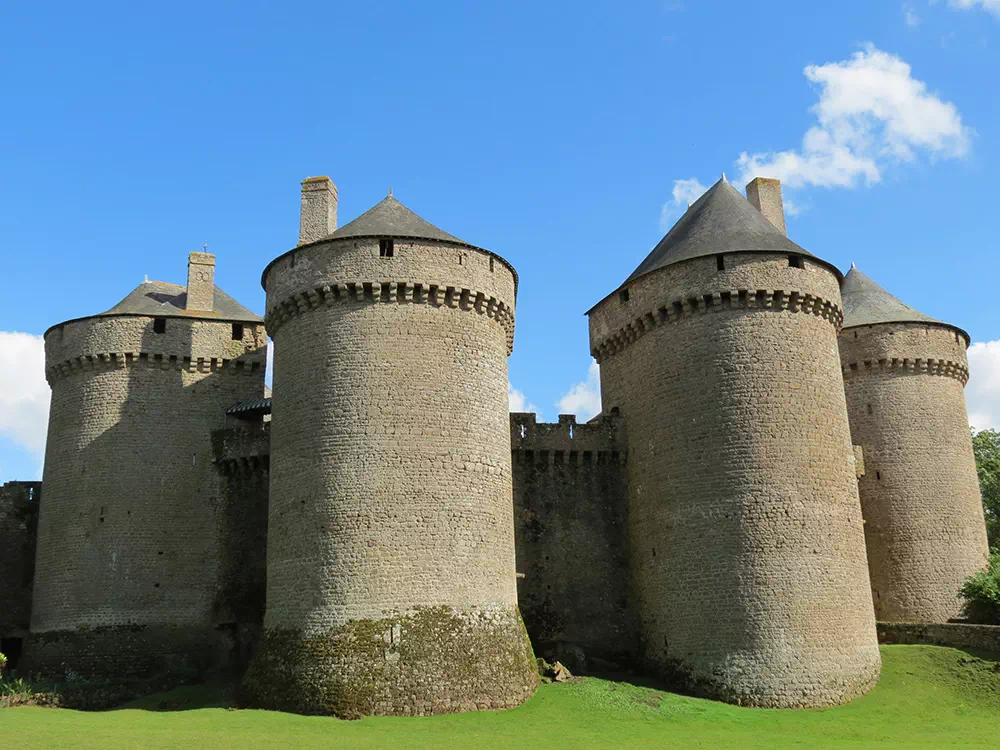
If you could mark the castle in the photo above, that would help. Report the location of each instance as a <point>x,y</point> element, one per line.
<point>783,457</point>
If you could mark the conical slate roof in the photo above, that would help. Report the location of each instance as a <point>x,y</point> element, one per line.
<point>158,299</point>
<point>390,218</point>
<point>720,221</point>
<point>866,304</point>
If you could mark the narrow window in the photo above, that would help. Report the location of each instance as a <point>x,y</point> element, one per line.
<point>291,261</point>
<point>869,408</point>
<point>878,475</point>
<point>795,261</point>
<point>855,334</point>
<point>159,325</point>
<point>491,264</point>
<point>237,331</point>
<point>720,262</point>
<point>386,248</point>
<point>461,259</point>
<point>623,295</point>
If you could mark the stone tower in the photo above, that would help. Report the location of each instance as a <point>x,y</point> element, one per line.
<point>390,562</point>
<point>126,580</point>
<point>905,374</point>
<point>748,555</point>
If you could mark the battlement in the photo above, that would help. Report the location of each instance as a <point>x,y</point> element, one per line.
<point>393,292</point>
<point>108,361</point>
<point>240,452</point>
<point>774,300</point>
<point>599,441</point>
<point>907,366</point>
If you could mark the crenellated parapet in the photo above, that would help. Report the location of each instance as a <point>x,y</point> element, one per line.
<point>434,293</point>
<point>602,440</point>
<point>672,311</point>
<point>242,452</point>
<point>906,366</point>
<point>110,361</point>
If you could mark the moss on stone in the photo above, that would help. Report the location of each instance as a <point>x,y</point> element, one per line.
<point>431,660</point>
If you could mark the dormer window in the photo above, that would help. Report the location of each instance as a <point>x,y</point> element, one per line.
<point>386,248</point>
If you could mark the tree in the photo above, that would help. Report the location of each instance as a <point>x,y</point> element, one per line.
<point>986,446</point>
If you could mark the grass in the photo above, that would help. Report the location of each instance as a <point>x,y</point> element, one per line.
<point>928,697</point>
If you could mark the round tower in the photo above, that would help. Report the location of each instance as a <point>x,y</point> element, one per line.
<point>748,556</point>
<point>904,375</point>
<point>128,555</point>
<point>390,562</point>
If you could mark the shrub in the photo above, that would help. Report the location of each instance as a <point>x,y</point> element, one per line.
<point>3,661</point>
<point>982,593</point>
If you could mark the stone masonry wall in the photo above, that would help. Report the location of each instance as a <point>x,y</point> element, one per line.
<point>18,527</point>
<point>391,512</point>
<point>128,543</point>
<point>920,498</point>
<point>747,546</point>
<point>571,534</point>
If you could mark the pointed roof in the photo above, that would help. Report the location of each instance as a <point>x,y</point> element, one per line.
<point>720,221</point>
<point>390,218</point>
<point>866,304</point>
<point>157,299</point>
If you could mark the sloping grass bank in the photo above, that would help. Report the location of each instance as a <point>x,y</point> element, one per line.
<point>928,697</point>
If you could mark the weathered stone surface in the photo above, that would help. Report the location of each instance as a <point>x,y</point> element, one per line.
<point>924,525</point>
<point>128,534</point>
<point>571,532</point>
<point>747,546</point>
<point>18,532</point>
<point>390,471</point>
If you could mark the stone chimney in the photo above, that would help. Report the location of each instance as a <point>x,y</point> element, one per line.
<point>765,195</point>
<point>319,209</point>
<point>201,282</point>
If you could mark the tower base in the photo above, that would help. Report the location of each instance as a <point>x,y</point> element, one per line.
<point>428,661</point>
<point>126,650</point>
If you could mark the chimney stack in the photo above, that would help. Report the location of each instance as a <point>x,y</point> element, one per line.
<point>319,209</point>
<point>201,282</point>
<point>765,195</point>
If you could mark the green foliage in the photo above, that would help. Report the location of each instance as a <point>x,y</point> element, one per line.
<point>982,593</point>
<point>929,697</point>
<point>3,660</point>
<point>986,446</point>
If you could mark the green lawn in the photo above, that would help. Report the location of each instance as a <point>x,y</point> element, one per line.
<point>928,697</point>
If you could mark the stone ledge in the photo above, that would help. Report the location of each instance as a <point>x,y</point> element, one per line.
<point>955,634</point>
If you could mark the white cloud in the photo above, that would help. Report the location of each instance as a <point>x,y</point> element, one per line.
<point>584,399</point>
<point>517,401</point>
<point>991,6</point>
<point>982,394</point>
<point>24,394</point>
<point>685,193</point>
<point>872,114</point>
<point>910,15</point>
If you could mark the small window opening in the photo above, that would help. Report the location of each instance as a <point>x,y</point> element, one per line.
<point>654,551</point>
<point>237,331</point>
<point>491,264</point>
<point>623,295</point>
<point>461,259</point>
<point>720,262</point>
<point>869,408</point>
<point>878,475</point>
<point>386,248</point>
<point>159,325</point>
<point>855,334</point>
<point>795,261</point>
<point>291,261</point>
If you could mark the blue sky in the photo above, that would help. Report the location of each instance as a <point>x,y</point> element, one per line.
<point>564,136</point>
